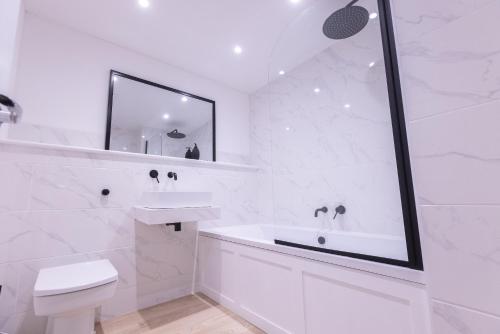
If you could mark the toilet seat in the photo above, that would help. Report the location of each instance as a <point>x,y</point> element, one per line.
<point>69,295</point>
<point>74,277</point>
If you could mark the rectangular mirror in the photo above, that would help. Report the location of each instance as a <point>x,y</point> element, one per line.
<point>148,118</point>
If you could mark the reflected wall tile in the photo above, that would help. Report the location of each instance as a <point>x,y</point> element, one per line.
<point>450,319</point>
<point>463,262</point>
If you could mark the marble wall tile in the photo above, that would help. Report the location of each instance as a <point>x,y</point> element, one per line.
<point>15,180</point>
<point>416,18</point>
<point>450,319</point>
<point>463,262</point>
<point>457,157</point>
<point>456,66</point>
<point>63,187</point>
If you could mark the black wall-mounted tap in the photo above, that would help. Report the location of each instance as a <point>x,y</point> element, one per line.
<point>172,175</point>
<point>323,209</point>
<point>154,175</point>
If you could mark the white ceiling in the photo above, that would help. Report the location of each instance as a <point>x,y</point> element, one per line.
<point>196,35</point>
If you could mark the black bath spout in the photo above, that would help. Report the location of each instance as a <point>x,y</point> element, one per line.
<point>323,209</point>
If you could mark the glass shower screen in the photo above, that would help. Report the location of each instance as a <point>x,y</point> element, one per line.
<point>337,145</point>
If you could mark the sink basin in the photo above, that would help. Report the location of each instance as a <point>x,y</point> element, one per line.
<point>169,200</point>
<point>175,207</point>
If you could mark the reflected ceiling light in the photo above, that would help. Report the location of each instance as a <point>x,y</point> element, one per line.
<point>237,49</point>
<point>373,15</point>
<point>281,72</point>
<point>143,137</point>
<point>347,105</point>
<point>115,78</point>
<point>184,99</point>
<point>125,148</point>
<point>317,90</point>
<point>166,116</point>
<point>143,3</point>
<point>371,64</point>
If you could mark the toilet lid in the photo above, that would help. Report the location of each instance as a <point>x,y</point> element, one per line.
<point>74,277</point>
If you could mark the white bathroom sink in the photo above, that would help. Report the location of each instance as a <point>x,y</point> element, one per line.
<point>175,207</point>
<point>169,200</point>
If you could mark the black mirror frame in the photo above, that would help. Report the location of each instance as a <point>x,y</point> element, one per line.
<point>114,73</point>
<point>408,205</point>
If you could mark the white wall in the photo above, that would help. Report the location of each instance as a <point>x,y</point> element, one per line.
<point>450,65</point>
<point>63,84</point>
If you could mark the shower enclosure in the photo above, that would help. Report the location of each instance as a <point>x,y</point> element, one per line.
<point>329,128</point>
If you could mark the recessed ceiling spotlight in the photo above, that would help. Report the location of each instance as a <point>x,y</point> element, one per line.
<point>347,105</point>
<point>184,99</point>
<point>143,3</point>
<point>166,116</point>
<point>373,15</point>
<point>287,128</point>
<point>281,72</point>
<point>294,1</point>
<point>317,90</point>
<point>371,64</point>
<point>237,49</point>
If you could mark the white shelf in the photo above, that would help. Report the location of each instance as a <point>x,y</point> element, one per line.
<point>116,155</point>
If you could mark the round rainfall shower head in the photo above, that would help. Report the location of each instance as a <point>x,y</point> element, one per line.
<point>346,22</point>
<point>176,134</point>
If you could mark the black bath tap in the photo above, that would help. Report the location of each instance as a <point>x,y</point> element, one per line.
<point>323,209</point>
<point>339,210</point>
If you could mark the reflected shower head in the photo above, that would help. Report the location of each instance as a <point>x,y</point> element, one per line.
<point>346,22</point>
<point>176,134</point>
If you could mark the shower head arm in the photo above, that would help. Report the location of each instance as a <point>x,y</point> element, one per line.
<point>352,3</point>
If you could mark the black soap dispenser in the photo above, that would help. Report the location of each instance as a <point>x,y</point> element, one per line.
<point>189,154</point>
<point>196,152</point>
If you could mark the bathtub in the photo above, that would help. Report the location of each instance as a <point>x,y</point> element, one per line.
<point>380,246</point>
<point>284,289</point>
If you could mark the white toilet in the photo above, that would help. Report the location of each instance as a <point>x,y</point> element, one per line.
<point>69,295</point>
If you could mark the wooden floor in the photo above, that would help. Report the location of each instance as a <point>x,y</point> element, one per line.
<point>195,314</point>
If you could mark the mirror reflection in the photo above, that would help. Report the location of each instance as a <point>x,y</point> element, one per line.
<point>148,118</point>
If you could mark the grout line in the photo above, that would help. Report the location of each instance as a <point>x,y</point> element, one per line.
<point>451,111</point>
<point>466,308</point>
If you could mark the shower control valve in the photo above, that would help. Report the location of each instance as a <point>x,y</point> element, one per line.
<point>339,210</point>
<point>172,175</point>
